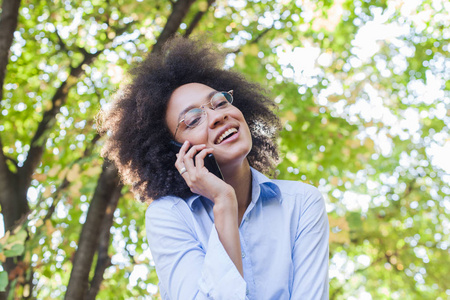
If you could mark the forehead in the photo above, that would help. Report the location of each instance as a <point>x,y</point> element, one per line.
<point>191,94</point>
<point>184,97</point>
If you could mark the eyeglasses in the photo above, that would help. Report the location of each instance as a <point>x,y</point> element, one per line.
<point>196,116</point>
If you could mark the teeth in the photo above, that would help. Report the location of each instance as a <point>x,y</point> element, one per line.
<point>225,134</point>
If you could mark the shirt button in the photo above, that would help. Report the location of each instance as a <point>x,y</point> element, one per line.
<point>247,218</point>
<point>243,254</point>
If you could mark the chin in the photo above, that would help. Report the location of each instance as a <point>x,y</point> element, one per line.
<point>233,157</point>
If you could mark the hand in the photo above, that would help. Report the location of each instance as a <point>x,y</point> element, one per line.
<point>225,210</point>
<point>197,176</point>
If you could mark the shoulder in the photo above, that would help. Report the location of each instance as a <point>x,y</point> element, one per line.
<point>286,188</point>
<point>307,206</point>
<point>166,209</point>
<point>166,203</point>
<point>301,195</point>
<point>297,188</point>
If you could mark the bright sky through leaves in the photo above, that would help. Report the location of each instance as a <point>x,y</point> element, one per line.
<point>364,100</point>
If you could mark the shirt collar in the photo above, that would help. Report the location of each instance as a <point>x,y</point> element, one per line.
<point>261,187</point>
<point>192,200</point>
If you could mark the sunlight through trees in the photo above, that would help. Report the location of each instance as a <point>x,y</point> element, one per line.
<point>363,93</point>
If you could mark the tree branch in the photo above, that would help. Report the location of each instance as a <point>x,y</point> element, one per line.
<point>61,41</point>
<point>91,145</point>
<point>254,41</point>
<point>179,12</point>
<point>55,197</point>
<point>5,174</point>
<point>8,24</point>
<point>107,191</point>
<point>39,139</point>
<point>65,183</point>
<point>198,16</point>
<point>59,99</point>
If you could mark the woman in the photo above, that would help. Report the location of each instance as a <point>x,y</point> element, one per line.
<point>243,237</point>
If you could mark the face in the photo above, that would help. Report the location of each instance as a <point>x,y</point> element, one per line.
<point>225,129</point>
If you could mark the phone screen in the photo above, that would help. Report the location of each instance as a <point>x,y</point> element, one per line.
<point>209,161</point>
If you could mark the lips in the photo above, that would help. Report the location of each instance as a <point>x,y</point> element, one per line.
<point>225,134</point>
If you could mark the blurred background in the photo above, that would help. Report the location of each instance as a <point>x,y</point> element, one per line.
<point>363,93</point>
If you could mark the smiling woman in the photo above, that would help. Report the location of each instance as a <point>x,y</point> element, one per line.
<point>225,130</point>
<point>243,236</point>
<point>139,142</point>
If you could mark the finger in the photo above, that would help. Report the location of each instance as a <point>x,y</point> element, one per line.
<point>184,148</point>
<point>195,149</point>
<point>192,152</point>
<point>200,157</point>
<point>189,158</point>
<point>180,155</point>
<point>179,163</point>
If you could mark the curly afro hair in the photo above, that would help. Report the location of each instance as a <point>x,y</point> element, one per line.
<point>138,141</point>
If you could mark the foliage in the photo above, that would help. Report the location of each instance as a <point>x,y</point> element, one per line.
<point>363,93</point>
<point>11,246</point>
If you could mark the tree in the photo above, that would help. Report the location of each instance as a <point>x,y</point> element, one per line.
<point>358,123</point>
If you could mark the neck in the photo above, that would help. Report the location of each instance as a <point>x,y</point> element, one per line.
<point>240,178</point>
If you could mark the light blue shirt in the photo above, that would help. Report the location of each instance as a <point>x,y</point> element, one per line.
<point>284,240</point>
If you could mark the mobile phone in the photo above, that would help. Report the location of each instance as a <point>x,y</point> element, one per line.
<point>209,161</point>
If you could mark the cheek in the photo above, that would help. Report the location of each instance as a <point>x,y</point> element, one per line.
<point>195,136</point>
<point>244,123</point>
<point>244,126</point>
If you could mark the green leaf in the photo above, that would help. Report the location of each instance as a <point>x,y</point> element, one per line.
<point>17,238</point>
<point>15,250</point>
<point>3,280</point>
<point>395,202</point>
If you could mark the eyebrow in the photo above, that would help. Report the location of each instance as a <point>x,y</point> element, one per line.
<point>184,111</point>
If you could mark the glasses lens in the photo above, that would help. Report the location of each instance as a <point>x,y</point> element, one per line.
<point>221,100</point>
<point>194,117</point>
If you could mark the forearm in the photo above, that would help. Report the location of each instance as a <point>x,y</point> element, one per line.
<point>226,223</point>
<point>190,266</point>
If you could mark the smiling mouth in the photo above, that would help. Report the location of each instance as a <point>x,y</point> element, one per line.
<point>226,135</point>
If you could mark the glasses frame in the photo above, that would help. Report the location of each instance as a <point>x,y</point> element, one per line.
<point>230,92</point>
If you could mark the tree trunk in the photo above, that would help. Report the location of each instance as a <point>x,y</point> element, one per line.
<point>14,186</point>
<point>103,259</point>
<point>88,243</point>
<point>196,19</point>
<point>8,24</point>
<point>179,12</point>
<point>13,206</point>
<point>108,188</point>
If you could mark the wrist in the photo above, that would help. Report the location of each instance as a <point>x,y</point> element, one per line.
<point>226,202</point>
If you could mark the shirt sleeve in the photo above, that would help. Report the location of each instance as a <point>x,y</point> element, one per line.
<point>185,269</point>
<point>310,254</point>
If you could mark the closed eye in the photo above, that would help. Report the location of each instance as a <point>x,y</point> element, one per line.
<point>194,121</point>
<point>221,104</point>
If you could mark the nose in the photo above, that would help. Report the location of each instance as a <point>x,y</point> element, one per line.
<point>216,117</point>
